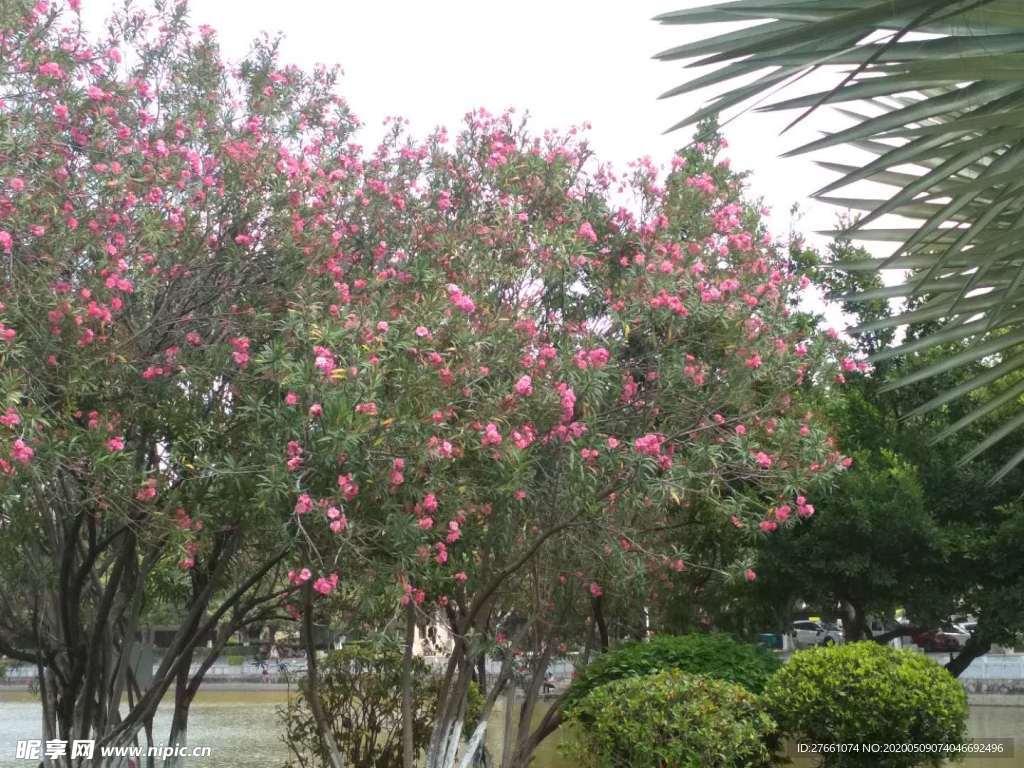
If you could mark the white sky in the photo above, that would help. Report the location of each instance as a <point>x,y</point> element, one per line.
<point>566,61</point>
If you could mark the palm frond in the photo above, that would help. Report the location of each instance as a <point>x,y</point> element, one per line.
<point>934,90</point>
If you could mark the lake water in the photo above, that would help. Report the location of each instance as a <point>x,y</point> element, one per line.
<point>241,728</point>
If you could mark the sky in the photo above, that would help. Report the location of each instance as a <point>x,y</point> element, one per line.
<point>566,62</point>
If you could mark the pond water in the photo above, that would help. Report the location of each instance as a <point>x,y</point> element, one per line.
<point>241,728</point>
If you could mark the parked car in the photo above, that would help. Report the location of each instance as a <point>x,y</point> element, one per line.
<point>810,633</point>
<point>942,640</point>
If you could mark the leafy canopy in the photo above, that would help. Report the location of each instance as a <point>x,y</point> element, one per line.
<point>711,655</point>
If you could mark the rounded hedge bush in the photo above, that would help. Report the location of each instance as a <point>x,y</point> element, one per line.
<point>868,694</point>
<point>710,655</point>
<point>670,718</point>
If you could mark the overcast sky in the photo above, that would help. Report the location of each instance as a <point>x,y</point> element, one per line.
<point>565,61</point>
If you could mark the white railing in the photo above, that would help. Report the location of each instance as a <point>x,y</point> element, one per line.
<point>988,667</point>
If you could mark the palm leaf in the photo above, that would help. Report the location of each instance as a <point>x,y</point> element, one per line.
<point>943,116</point>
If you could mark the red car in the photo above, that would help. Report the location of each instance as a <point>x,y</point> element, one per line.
<point>938,640</point>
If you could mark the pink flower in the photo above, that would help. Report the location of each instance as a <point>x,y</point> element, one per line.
<point>613,443</point>
<point>491,435</point>
<point>454,532</point>
<point>629,389</point>
<point>10,418</point>
<point>763,459</point>
<point>649,444</point>
<point>349,489</point>
<point>326,585</point>
<point>461,577</point>
<point>6,241</point>
<point>51,69</point>
<point>803,509</point>
<point>754,361</point>
<point>148,491</point>
<point>316,411</point>
<point>291,399</point>
<point>749,574</point>
<point>704,183</point>
<point>586,232</point>
<point>422,332</point>
<point>324,360</point>
<point>241,353</point>
<point>524,386</point>
<point>430,502</point>
<point>21,452</point>
<point>304,504</point>
<point>741,430</point>
<point>461,301</point>
<point>523,438</point>
<point>369,409</point>
<point>595,589</point>
<point>568,401</point>
<point>598,358</point>
<point>768,526</point>
<point>115,444</point>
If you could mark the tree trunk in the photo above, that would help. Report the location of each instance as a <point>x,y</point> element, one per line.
<point>408,747</point>
<point>312,686</point>
<point>857,625</point>
<point>481,674</point>
<point>510,706</point>
<point>972,649</point>
<point>179,720</point>
<point>596,604</point>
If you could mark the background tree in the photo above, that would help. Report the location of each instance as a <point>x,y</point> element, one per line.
<point>906,527</point>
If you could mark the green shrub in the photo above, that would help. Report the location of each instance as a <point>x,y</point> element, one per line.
<point>866,693</point>
<point>361,692</point>
<point>711,655</point>
<point>670,718</point>
<point>235,661</point>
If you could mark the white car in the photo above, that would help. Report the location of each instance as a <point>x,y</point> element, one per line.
<point>806,634</point>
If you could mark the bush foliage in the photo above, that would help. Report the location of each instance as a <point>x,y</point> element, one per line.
<point>710,655</point>
<point>866,693</point>
<point>670,718</point>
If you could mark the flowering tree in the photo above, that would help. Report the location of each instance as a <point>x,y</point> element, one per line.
<point>233,344</point>
<point>149,250</point>
<point>495,360</point>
